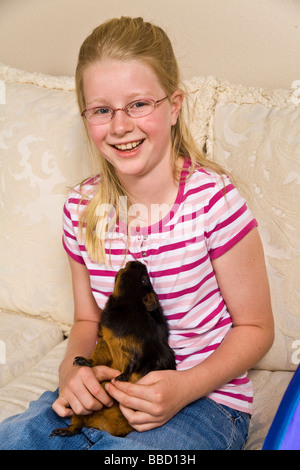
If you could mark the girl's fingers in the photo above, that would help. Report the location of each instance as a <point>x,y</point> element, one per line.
<point>82,401</point>
<point>151,401</point>
<point>131,396</point>
<point>84,392</point>
<point>138,420</point>
<point>103,373</point>
<point>62,407</point>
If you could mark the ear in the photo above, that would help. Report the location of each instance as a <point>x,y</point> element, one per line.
<point>151,302</point>
<point>176,103</point>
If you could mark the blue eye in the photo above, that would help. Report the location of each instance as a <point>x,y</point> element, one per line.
<point>140,108</point>
<point>102,111</point>
<point>140,104</point>
<point>137,105</point>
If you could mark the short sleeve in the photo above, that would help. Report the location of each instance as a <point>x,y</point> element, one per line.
<point>228,219</point>
<point>70,230</point>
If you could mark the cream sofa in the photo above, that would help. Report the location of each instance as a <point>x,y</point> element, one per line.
<point>254,133</point>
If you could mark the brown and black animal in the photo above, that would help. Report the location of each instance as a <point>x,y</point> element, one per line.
<point>133,338</point>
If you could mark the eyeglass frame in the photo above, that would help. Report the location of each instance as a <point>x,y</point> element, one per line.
<point>125,109</point>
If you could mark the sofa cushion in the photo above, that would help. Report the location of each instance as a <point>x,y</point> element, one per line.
<point>256,136</point>
<point>269,388</point>
<point>16,395</point>
<point>23,342</point>
<point>42,153</point>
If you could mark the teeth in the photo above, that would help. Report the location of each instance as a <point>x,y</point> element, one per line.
<point>130,146</point>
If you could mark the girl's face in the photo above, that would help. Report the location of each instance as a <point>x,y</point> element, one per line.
<point>134,146</point>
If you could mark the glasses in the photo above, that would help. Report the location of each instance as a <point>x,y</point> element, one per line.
<point>135,109</point>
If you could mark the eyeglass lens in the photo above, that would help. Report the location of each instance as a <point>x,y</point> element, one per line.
<point>139,108</point>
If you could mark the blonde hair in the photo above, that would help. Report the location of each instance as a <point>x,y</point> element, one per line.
<point>128,39</point>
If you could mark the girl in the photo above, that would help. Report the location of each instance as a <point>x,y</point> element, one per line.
<point>155,199</point>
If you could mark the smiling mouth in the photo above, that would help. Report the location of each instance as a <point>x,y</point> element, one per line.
<point>129,146</point>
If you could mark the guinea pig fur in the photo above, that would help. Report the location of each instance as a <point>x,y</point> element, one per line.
<point>133,338</point>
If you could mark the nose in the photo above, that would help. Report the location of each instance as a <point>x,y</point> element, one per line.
<point>121,123</point>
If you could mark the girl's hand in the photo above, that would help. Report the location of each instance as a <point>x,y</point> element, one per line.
<point>81,392</point>
<point>153,400</point>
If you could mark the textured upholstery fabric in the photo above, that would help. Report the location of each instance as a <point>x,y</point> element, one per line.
<point>27,340</point>
<point>42,154</point>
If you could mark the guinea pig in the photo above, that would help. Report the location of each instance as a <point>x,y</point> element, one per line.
<point>133,338</point>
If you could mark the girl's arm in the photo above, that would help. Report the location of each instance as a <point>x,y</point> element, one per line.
<point>242,278</point>
<point>79,388</point>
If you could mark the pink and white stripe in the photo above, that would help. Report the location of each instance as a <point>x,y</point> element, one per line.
<point>208,218</point>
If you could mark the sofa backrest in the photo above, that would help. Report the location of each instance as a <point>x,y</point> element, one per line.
<point>253,133</point>
<point>43,152</point>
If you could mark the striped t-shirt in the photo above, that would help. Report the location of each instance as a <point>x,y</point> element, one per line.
<point>208,218</point>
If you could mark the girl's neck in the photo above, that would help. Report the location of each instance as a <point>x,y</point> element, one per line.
<point>151,191</point>
<point>154,188</point>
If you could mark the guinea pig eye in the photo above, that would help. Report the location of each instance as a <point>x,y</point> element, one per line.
<point>145,281</point>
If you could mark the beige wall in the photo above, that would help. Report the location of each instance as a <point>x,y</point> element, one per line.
<point>252,42</point>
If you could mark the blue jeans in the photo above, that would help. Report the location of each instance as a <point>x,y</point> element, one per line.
<point>204,424</point>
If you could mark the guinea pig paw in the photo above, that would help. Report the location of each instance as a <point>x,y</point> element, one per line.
<point>81,361</point>
<point>122,377</point>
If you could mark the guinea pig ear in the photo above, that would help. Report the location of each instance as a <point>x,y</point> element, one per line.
<point>151,301</point>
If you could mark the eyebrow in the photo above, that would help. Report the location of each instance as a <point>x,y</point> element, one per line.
<point>93,101</point>
<point>132,97</point>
